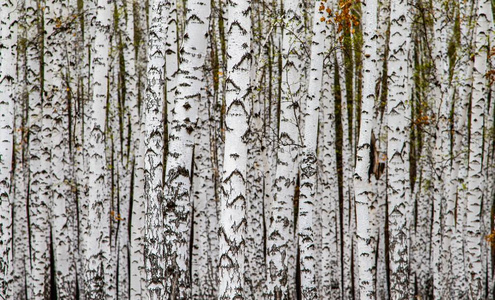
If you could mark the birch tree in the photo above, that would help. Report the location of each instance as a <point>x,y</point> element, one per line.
<point>177,202</point>
<point>39,157</point>
<point>476,177</point>
<point>8,38</point>
<point>97,241</point>
<point>58,91</point>
<point>398,108</point>
<point>280,244</point>
<point>307,201</point>
<point>362,186</point>
<point>153,158</point>
<point>232,220</point>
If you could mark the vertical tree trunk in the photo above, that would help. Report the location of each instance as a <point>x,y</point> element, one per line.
<point>177,204</point>
<point>97,241</point>
<point>476,177</point>
<point>307,214</point>
<point>137,212</point>
<point>58,91</point>
<point>233,197</point>
<point>205,226</point>
<point>153,159</point>
<point>399,111</point>
<point>362,186</point>
<point>280,245</point>
<point>463,78</point>
<point>39,156</point>
<point>20,220</point>
<point>8,38</point>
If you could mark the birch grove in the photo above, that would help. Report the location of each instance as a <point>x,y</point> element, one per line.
<point>260,149</point>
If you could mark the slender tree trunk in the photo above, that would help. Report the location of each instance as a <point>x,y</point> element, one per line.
<point>137,209</point>
<point>233,197</point>
<point>307,201</point>
<point>205,225</point>
<point>58,91</point>
<point>328,181</point>
<point>21,165</point>
<point>97,241</point>
<point>362,186</point>
<point>280,247</point>
<point>8,38</point>
<point>177,204</point>
<point>476,176</point>
<point>399,110</point>
<point>39,156</point>
<point>153,158</point>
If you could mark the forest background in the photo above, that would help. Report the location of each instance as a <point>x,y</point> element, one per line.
<point>266,149</point>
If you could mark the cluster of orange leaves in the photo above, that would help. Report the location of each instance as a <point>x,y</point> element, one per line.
<point>116,216</point>
<point>343,17</point>
<point>328,11</point>
<point>491,239</point>
<point>422,120</point>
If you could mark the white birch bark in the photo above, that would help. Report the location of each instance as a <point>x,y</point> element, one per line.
<point>255,268</point>
<point>233,197</point>
<point>97,253</point>
<point>307,215</point>
<point>456,200</point>
<point>362,186</point>
<point>205,225</point>
<point>153,158</point>
<point>172,63</point>
<point>137,210</point>
<point>328,181</point>
<point>83,47</point>
<point>127,146</point>
<point>57,20</point>
<point>20,220</point>
<point>8,40</point>
<point>280,236</point>
<point>399,110</point>
<point>476,176</point>
<point>441,94</point>
<point>39,156</point>
<point>178,202</point>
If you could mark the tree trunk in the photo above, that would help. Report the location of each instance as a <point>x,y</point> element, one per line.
<point>8,38</point>
<point>233,197</point>
<point>362,186</point>
<point>399,111</point>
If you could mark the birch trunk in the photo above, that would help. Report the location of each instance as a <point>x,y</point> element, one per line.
<point>328,184</point>
<point>20,220</point>
<point>97,241</point>
<point>307,201</point>
<point>441,93</point>
<point>177,204</point>
<point>280,244</point>
<point>137,209</point>
<point>362,186</point>
<point>8,38</point>
<point>476,285</point>
<point>59,94</point>
<point>39,156</point>
<point>153,158</point>
<point>399,110</point>
<point>456,202</point>
<point>233,197</point>
<point>205,225</point>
